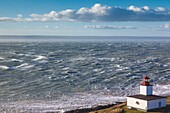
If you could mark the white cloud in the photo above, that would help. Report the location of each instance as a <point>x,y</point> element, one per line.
<point>165,26</point>
<point>53,14</point>
<point>138,9</point>
<point>19,16</point>
<point>99,9</point>
<point>46,27</point>
<point>146,8</point>
<point>133,8</point>
<point>160,9</point>
<point>108,27</point>
<point>6,19</point>
<point>98,12</point>
<point>67,12</point>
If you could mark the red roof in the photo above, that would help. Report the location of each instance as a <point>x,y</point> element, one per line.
<point>146,77</point>
<point>144,83</point>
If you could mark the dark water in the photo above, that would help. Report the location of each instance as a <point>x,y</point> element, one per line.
<point>67,75</point>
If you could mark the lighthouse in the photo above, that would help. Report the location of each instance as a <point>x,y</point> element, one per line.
<point>145,87</point>
<point>145,100</point>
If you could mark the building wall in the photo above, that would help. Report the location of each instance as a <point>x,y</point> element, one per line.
<point>145,90</point>
<point>145,105</point>
<point>156,103</point>
<point>163,101</point>
<point>136,103</point>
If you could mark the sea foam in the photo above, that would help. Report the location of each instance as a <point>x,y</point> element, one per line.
<point>77,101</point>
<point>39,57</point>
<point>4,67</point>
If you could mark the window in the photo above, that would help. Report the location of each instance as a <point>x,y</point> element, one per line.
<point>137,102</point>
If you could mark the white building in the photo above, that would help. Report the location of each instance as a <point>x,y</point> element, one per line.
<point>146,100</point>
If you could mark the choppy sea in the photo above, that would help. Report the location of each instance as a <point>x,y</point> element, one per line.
<point>58,76</point>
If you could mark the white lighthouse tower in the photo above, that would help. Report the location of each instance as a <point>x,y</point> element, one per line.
<point>146,100</point>
<point>145,87</point>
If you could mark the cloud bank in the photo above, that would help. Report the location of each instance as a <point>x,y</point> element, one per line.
<point>108,27</point>
<point>98,13</point>
<point>166,26</point>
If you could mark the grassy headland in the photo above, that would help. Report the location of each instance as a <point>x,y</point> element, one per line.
<point>122,108</point>
<point>119,108</point>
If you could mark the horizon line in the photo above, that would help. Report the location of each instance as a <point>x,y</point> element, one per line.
<point>80,36</point>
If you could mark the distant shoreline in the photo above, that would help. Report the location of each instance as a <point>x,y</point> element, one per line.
<point>132,36</point>
<point>39,38</point>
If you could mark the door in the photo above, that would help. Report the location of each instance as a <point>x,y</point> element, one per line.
<point>159,104</point>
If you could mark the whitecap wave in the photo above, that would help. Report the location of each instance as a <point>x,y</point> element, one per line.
<point>78,101</point>
<point>24,66</point>
<point>78,59</point>
<point>109,59</point>
<point>1,58</point>
<point>4,67</point>
<point>16,60</point>
<point>161,90</point>
<point>40,57</point>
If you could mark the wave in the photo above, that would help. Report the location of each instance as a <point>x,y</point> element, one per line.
<point>66,103</point>
<point>16,60</point>
<point>161,90</point>
<point>109,59</point>
<point>6,67</point>
<point>78,59</point>
<point>39,57</point>
<point>1,58</point>
<point>24,66</point>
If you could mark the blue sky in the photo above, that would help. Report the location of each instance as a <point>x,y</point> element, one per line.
<point>85,17</point>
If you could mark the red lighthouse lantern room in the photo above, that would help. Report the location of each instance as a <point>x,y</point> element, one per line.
<point>145,81</point>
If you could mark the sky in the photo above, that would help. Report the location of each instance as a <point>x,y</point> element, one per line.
<point>85,17</point>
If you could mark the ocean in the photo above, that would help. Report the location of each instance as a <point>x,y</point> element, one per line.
<point>39,75</point>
